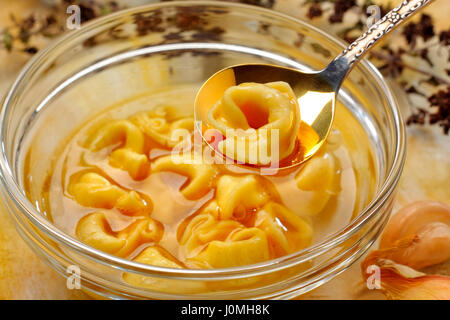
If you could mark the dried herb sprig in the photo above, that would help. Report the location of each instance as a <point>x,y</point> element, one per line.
<point>394,64</point>
<point>315,10</point>
<point>424,28</point>
<point>440,102</point>
<point>420,42</point>
<point>340,7</point>
<point>21,32</point>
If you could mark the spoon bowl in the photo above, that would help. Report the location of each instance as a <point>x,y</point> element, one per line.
<point>315,95</point>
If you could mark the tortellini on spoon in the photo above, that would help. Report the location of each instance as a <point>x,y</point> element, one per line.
<point>259,122</point>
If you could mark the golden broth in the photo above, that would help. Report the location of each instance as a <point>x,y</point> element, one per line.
<point>351,188</point>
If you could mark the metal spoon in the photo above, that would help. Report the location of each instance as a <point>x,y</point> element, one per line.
<point>316,91</point>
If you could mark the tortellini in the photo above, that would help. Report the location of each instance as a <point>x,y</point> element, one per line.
<point>164,125</point>
<point>237,195</point>
<point>214,243</point>
<point>242,247</point>
<point>204,228</point>
<point>286,231</point>
<point>93,190</point>
<point>129,155</point>
<point>318,177</point>
<point>200,176</point>
<point>250,116</point>
<point>155,255</point>
<point>244,225</point>
<point>94,230</point>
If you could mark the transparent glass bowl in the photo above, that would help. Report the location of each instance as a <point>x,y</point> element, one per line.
<point>125,54</point>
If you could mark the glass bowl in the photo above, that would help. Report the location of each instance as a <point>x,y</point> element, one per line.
<point>122,56</point>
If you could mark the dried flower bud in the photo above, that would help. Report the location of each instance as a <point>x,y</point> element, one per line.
<point>424,28</point>
<point>315,10</point>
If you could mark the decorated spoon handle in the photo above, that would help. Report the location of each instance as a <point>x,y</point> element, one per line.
<point>344,62</point>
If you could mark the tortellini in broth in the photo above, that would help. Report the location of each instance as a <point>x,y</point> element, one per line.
<point>136,199</point>
<point>130,155</point>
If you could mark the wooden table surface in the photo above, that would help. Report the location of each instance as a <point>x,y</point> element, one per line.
<point>426,176</point>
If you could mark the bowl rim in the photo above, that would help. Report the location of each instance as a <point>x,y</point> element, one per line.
<point>14,192</point>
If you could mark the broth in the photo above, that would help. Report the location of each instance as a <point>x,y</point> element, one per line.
<point>325,210</point>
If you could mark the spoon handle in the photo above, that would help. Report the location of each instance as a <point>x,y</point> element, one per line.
<point>338,69</point>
